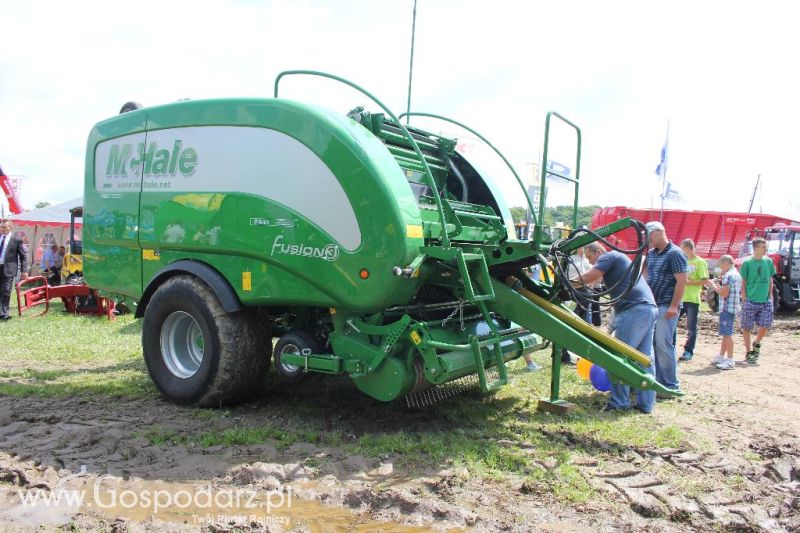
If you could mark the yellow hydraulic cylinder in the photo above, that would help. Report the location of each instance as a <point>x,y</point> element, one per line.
<point>587,329</point>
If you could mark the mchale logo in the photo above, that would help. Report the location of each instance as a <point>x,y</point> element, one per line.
<point>156,162</point>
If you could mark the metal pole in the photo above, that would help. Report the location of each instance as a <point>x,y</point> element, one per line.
<point>411,64</point>
<point>753,198</point>
<point>664,175</point>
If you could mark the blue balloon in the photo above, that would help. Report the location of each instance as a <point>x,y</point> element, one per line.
<point>599,378</point>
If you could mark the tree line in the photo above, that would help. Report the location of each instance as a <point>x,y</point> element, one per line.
<point>559,213</point>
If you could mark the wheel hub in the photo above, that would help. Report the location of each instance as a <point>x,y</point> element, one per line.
<point>182,344</point>
<point>289,349</point>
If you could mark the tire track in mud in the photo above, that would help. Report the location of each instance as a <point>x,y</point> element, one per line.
<point>768,502</point>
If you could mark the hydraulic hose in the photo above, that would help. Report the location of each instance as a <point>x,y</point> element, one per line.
<point>586,294</point>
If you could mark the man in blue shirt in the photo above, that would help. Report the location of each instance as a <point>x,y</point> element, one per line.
<point>635,317</point>
<point>666,274</point>
<point>49,268</point>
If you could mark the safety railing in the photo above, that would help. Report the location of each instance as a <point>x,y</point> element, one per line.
<point>537,236</point>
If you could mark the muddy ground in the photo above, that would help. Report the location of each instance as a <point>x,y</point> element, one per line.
<point>739,468</point>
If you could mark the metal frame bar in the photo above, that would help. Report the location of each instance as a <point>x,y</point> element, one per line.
<point>406,134</point>
<point>537,236</point>
<point>490,145</point>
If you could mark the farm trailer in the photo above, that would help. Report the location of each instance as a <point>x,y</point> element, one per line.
<point>717,233</point>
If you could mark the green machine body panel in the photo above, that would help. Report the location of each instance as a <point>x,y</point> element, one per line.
<point>289,213</point>
<point>112,257</point>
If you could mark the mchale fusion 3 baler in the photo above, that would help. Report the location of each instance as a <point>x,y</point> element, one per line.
<point>366,246</point>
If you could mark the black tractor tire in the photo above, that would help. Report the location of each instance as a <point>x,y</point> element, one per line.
<point>184,315</point>
<point>789,308</point>
<point>293,342</point>
<point>776,299</point>
<point>76,278</point>
<point>783,305</point>
<point>263,330</point>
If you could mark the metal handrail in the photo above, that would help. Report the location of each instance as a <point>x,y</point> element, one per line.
<point>490,145</point>
<point>537,236</point>
<point>406,134</point>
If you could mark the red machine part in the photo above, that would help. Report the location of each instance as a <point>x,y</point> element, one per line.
<point>35,291</point>
<point>715,233</point>
<point>777,258</point>
<point>14,205</point>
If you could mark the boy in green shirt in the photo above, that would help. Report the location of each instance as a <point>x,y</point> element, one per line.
<point>756,272</point>
<point>697,274</point>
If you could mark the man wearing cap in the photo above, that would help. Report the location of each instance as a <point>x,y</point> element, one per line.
<point>666,274</point>
<point>634,321</point>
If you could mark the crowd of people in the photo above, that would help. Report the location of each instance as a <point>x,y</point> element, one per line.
<point>14,262</point>
<point>646,315</point>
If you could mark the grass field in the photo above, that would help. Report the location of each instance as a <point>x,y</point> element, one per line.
<point>60,354</point>
<point>494,437</point>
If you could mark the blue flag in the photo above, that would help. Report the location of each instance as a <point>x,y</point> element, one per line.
<point>661,169</point>
<point>672,194</point>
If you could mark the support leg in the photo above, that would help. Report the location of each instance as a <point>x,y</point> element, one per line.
<point>554,404</point>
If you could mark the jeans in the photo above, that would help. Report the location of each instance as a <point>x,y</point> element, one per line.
<point>585,315</point>
<point>726,321</point>
<point>664,345</point>
<point>634,326</point>
<point>692,310</point>
<point>597,321</point>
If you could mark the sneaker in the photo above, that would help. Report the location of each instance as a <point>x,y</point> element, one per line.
<point>717,360</point>
<point>686,356</point>
<point>727,364</point>
<point>751,357</point>
<point>757,349</point>
<point>665,396</point>
<point>532,367</point>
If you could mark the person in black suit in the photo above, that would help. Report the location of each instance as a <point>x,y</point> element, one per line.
<point>13,258</point>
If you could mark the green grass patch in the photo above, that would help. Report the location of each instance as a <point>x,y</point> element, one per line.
<point>60,354</point>
<point>257,435</point>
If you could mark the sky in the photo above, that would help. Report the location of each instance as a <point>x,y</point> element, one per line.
<point>721,76</point>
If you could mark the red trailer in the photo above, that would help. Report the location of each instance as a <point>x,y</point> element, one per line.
<point>715,233</point>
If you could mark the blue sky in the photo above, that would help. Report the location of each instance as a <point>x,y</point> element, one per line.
<point>722,74</point>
